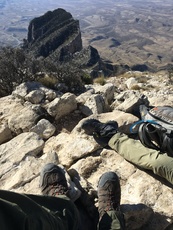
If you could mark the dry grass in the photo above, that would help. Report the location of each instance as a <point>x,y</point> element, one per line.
<point>142,79</point>
<point>100,80</point>
<point>135,74</point>
<point>136,87</point>
<point>48,81</point>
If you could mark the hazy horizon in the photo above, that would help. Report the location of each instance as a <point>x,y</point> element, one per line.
<point>121,30</point>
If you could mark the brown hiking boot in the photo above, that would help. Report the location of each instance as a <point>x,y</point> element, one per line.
<point>53,181</point>
<point>109,193</point>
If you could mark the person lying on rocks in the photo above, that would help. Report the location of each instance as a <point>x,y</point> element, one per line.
<point>53,210</point>
<point>107,135</point>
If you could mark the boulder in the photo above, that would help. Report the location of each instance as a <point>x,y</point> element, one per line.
<point>62,106</point>
<point>69,148</point>
<point>34,92</point>
<point>13,153</point>
<point>95,104</point>
<point>5,133</point>
<point>22,120</point>
<point>35,96</point>
<point>145,199</point>
<point>107,91</point>
<point>130,101</point>
<point>44,129</point>
<point>20,147</point>
<point>131,82</point>
<point>23,89</point>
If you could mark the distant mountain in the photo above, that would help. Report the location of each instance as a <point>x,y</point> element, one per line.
<point>131,32</point>
<point>55,34</point>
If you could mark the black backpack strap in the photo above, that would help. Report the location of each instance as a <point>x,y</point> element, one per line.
<point>155,137</point>
<point>145,133</point>
<point>135,126</point>
<point>167,145</point>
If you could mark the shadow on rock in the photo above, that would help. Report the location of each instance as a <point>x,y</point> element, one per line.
<point>141,217</point>
<point>85,203</point>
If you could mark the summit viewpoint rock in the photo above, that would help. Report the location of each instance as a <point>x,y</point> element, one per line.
<point>32,136</point>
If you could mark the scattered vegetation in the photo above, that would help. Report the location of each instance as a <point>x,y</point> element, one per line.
<point>87,79</point>
<point>140,76</point>
<point>142,79</point>
<point>100,80</point>
<point>17,66</point>
<point>170,74</point>
<point>135,87</point>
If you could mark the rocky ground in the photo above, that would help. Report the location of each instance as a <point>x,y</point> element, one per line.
<point>40,125</point>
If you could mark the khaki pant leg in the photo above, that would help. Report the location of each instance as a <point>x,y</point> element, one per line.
<point>133,151</point>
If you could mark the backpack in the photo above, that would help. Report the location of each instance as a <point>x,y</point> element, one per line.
<point>155,129</point>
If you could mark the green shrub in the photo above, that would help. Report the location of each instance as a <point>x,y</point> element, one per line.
<point>87,79</point>
<point>14,69</point>
<point>17,66</point>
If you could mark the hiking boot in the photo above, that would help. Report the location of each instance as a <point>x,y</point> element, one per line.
<point>53,181</point>
<point>109,193</point>
<point>102,132</point>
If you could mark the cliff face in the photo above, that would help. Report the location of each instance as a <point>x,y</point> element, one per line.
<point>56,31</point>
<point>57,35</point>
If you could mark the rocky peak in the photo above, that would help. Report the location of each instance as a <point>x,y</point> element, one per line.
<point>57,35</point>
<point>55,31</point>
<point>43,25</point>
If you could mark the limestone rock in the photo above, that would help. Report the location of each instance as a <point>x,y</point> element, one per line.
<point>146,198</point>
<point>131,101</point>
<point>18,116</point>
<point>19,147</point>
<point>17,150</point>
<point>22,174</point>
<point>62,106</point>
<point>107,91</point>
<point>34,92</point>
<point>35,96</point>
<point>161,100</point>
<point>95,104</point>
<point>23,89</point>
<point>82,98</point>
<point>69,148</point>
<point>131,82</point>
<point>22,120</point>
<point>8,106</point>
<point>44,129</point>
<point>5,133</point>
